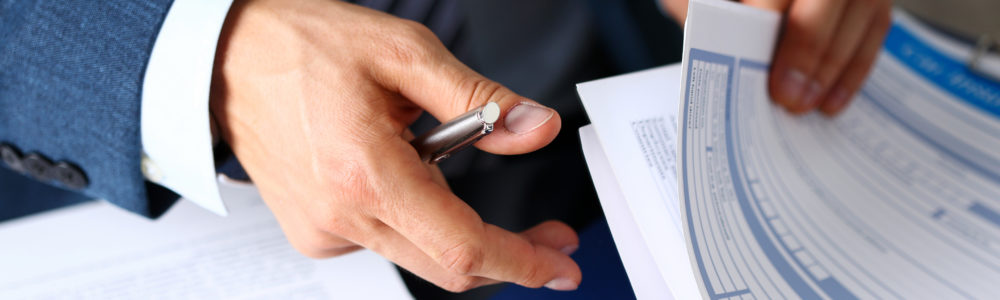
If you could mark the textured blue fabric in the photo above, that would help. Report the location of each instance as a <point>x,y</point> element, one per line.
<point>37,197</point>
<point>71,75</point>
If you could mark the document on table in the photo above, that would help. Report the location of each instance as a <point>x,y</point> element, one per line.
<point>97,251</point>
<point>897,197</point>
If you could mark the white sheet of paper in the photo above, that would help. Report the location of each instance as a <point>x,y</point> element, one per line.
<point>898,197</point>
<point>97,251</point>
<point>633,117</point>
<point>644,276</point>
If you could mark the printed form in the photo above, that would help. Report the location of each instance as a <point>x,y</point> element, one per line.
<point>898,197</point>
<point>711,191</point>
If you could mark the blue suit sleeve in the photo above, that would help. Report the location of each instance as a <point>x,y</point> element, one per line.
<point>71,75</point>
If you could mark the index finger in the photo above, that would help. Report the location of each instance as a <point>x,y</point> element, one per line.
<point>453,235</point>
<point>808,29</point>
<point>775,5</point>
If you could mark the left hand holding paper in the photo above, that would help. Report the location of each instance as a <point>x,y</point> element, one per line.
<point>825,52</point>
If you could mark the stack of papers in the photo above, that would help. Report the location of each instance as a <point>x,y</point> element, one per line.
<point>711,191</point>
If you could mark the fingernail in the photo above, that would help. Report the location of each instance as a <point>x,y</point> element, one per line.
<point>569,250</point>
<point>526,116</point>
<point>837,99</point>
<point>561,284</point>
<point>811,97</point>
<point>792,83</point>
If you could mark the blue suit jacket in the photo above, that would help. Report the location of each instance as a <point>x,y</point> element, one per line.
<point>71,75</point>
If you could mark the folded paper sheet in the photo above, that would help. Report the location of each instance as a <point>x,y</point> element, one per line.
<point>630,149</point>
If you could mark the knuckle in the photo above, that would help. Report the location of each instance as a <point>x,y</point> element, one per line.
<point>408,43</point>
<point>352,180</point>
<point>832,68</point>
<point>403,51</point>
<point>326,219</point>
<point>802,41</point>
<point>377,239</point>
<point>462,259</point>
<point>534,277</point>
<point>836,59</point>
<point>352,186</point>
<point>810,44</point>
<point>416,29</point>
<point>333,223</point>
<point>460,283</point>
<point>476,91</point>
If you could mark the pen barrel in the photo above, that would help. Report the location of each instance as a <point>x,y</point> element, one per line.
<point>438,143</point>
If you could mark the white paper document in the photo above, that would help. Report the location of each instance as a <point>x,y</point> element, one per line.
<point>630,152</point>
<point>897,197</point>
<point>97,251</point>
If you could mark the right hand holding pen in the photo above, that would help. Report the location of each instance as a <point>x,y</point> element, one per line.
<point>314,97</point>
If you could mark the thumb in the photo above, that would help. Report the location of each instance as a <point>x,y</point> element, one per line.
<point>774,5</point>
<point>448,89</point>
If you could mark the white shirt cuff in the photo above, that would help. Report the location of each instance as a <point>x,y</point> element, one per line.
<point>176,136</point>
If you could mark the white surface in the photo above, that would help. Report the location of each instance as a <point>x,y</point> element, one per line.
<point>647,283</point>
<point>491,112</point>
<point>633,116</point>
<point>176,134</point>
<point>891,199</point>
<point>97,251</point>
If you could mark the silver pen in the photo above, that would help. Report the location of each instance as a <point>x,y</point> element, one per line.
<point>439,143</point>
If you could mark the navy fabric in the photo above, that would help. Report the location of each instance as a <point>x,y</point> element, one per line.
<point>71,75</point>
<point>37,197</point>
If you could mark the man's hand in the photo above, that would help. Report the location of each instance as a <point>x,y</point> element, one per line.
<point>826,49</point>
<point>315,98</point>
